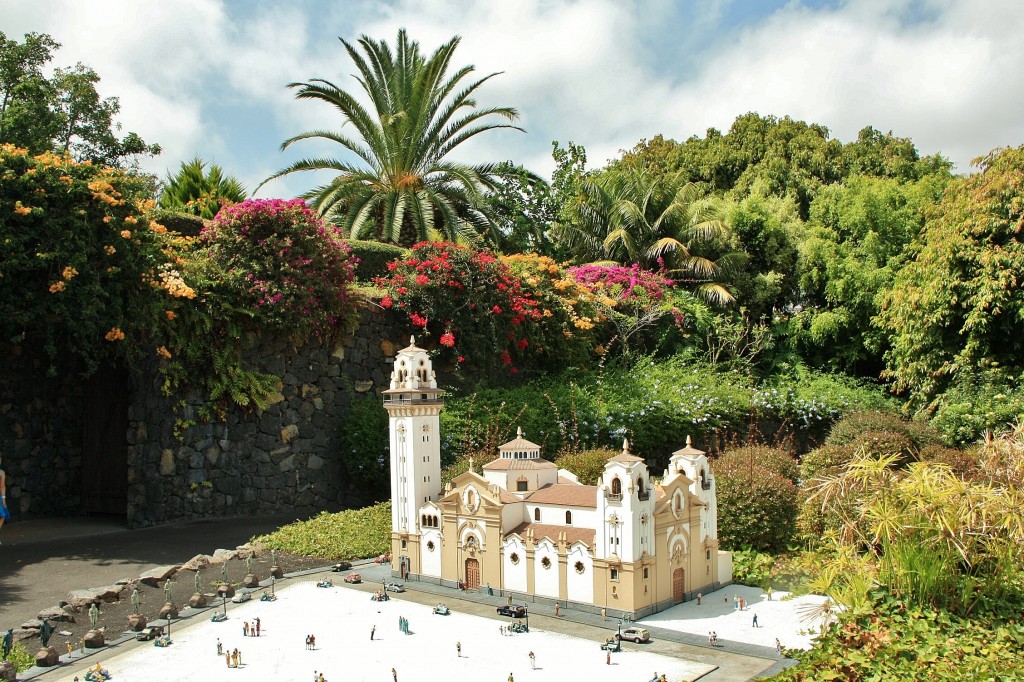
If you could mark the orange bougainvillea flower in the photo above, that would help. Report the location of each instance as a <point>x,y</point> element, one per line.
<point>69,272</point>
<point>115,334</point>
<point>126,234</point>
<point>56,287</point>
<point>170,314</point>
<point>163,352</point>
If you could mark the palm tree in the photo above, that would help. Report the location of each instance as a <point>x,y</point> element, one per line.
<point>194,190</point>
<point>631,216</point>
<point>400,188</point>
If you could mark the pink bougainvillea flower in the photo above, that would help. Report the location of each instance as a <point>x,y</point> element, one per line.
<point>447,339</point>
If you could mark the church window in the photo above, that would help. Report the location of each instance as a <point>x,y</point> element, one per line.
<point>522,485</point>
<point>545,562</point>
<point>430,545</point>
<point>616,486</point>
<point>568,518</point>
<point>645,572</point>
<point>707,555</point>
<point>404,543</point>
<point>614,574</point>
<point>536,514</point>
<point>580,568</point>
<point>514,558</point>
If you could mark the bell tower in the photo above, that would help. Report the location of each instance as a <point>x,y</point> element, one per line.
<point>413,403</point>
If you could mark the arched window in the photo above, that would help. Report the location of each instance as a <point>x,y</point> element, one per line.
<point>616,486</point>
<point>536,514</point>
<point>568,518</point>
<point>640,485</point>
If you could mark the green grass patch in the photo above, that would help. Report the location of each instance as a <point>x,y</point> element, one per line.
<point>351,534</point>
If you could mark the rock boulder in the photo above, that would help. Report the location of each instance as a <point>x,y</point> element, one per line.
<point>155,576</point>
<point>47,657</point>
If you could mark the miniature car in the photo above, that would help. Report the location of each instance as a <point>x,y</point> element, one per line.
<point>394,587</point>
<point>512,610</point>
<point>241,597</point>
<point>612,645</point>
<point>384,558</point>
<point>442,610</point>
<point>325,582</point>
<point>152,632</point>
<point>341,566</point>
<point>353,578</point>
<point>635,634</point>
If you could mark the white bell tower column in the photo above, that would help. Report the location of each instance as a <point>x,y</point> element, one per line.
<point>414,403</point>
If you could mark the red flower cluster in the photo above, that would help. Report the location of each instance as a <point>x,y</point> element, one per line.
<point>446,282</point>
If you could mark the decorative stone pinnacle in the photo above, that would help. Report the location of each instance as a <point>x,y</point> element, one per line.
<point>519,431</point>
<point>689,441</point>
<point>625,446</point>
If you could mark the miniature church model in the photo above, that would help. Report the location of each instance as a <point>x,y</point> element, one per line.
<point>629,544</point>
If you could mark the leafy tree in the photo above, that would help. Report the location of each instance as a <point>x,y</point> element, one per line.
<point>766,230</point>
<point>64,113</point>
<point>523,210</point>
<point>628,216</point>
<point>402,189</point>
<point>195,190</point>
<point>958,305</point>
<point>854,245</point>
<point>587,465</point>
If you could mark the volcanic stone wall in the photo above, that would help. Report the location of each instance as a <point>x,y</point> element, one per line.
<point>284,457</point>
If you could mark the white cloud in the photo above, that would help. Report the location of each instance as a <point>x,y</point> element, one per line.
<point>208,77</point>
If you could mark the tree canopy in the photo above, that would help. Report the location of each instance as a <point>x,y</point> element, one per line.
<point>62,113</point>
<point>401,188</point>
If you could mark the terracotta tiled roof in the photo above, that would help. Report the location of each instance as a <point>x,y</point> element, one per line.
<point>625,457</point>
<point>507,498</point>
<point>518,444</point>
<point>547,530</point>
<point>566,494</point>
<point>515,464</point>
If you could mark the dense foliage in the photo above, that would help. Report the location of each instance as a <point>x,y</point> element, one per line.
<point>483,312</point>
<point>281,264</point>
<point>351,534</point>
<point>892,640</point>
<point>198,191</point>
<point>958,305</point>
<point>84,272</point>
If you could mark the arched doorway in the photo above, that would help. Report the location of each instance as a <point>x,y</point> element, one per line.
<point>678,590</point>
<point>472,574</point>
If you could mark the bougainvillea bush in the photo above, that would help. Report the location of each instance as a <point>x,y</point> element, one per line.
<point>85,274</point>
<point>480,311</point>
<point>278,262</point>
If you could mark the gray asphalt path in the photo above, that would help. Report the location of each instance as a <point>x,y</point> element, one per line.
<point>41,560</point>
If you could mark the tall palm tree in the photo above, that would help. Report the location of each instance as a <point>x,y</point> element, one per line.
<point>195,190</point>
<point>632,216</point>
<point>400,188</point>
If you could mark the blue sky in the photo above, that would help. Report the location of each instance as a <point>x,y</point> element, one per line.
<point>208,77</point>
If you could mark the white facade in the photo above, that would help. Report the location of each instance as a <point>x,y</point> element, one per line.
<point>524,526</point>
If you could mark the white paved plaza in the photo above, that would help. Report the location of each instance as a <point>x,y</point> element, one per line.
<point>341,620</point>
<point>779,618</point>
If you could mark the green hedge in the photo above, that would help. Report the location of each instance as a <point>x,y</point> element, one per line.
<point>374,258</point>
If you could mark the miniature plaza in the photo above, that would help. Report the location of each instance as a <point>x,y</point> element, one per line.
<point>342,620</point>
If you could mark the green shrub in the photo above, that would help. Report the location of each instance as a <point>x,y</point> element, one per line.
<point>757,506</point>
<point>777,460</point>
<point>976,404</point>
<point>587,465</point>
<point>351,534</point>
<point>851,426</point>
<point>364,444</point>
<point>185,224</point>
<point>963,462</point>
<point>824,461</point>
<point>21,657</point>
<point>374,258</point>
